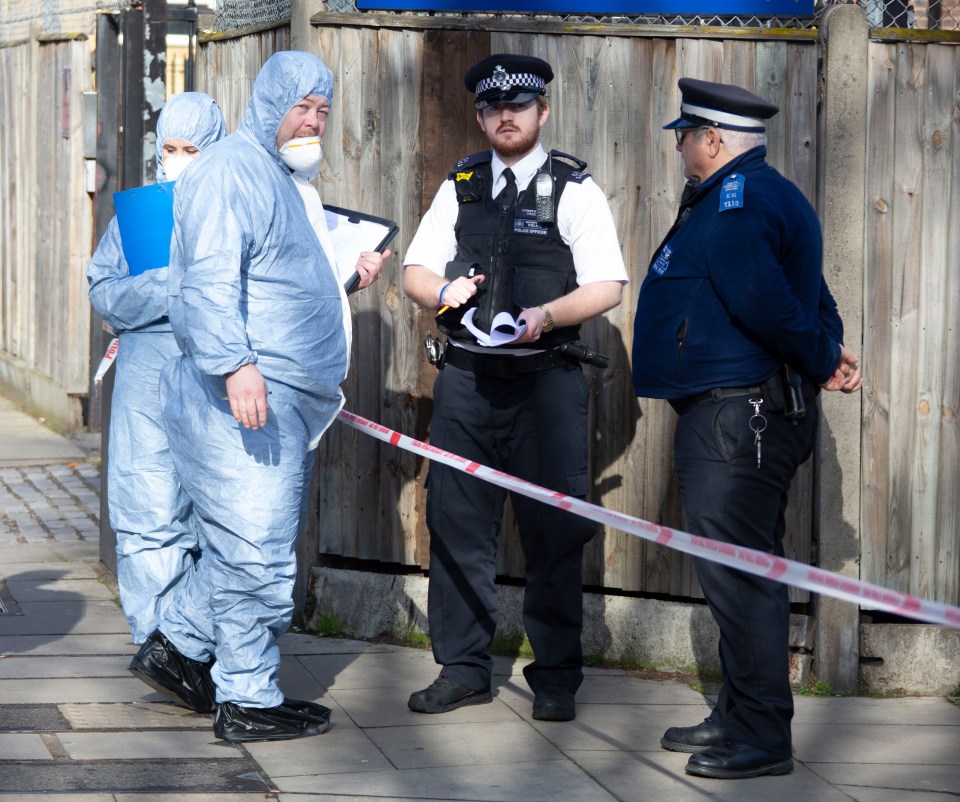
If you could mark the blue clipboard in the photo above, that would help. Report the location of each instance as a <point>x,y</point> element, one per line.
<point>145,218</point>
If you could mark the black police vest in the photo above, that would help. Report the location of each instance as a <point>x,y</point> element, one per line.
<point>525,263</point>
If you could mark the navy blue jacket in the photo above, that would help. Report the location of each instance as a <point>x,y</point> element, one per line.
<point>736,288</point>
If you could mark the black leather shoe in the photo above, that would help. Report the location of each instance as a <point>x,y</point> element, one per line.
<point>187,682</point>
<point>693,739</point>
<point>444,695</point>
<point>236,723</point>
<point>735,760</point>
<point>554,704</point>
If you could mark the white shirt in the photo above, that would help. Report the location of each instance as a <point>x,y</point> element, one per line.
<point>584,221</point>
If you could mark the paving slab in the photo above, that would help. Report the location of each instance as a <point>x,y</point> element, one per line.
<point>75,689</point>
<point>922,777</point>
<point>27,441</point>
<point>66,645</point>
<point>623,689</point>
<point>452,745</point>
<point>146,745</point>
<point>72,616</point>
<point>508,782</point>
<point>38,571</point>
<point>344,749</point>
<point>19,667</point>
<point>26,587</point>
<point>22,746</point>
<point>387,707</point>
<point>136,716</point>
<point>892,743</point>
<point>52,552</point>
<point>408,670</point>
<point>659,775</point>
<point>891,795</point>
<point>868,711</point>
<point>182,797</point>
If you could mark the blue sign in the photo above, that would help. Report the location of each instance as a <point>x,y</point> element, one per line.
<point>740,8</point>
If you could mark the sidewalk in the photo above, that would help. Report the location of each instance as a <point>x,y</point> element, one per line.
<point>75,724</point>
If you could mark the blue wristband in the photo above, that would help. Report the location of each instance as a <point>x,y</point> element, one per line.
<point>442,290</point>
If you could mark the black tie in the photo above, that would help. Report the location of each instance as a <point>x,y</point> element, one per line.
<point>508,195</point>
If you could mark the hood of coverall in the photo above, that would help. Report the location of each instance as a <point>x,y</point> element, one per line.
<point>192,116</point>
<point>286,78</point>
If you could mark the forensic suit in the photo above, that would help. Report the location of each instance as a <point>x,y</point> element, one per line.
<point>156,542</point>
<point>249,284</point>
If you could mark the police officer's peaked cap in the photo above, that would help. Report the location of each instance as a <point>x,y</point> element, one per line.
<point>506,78</point>
<point>721,106</point>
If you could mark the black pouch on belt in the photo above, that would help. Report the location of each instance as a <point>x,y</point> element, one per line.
<point>794,405</point>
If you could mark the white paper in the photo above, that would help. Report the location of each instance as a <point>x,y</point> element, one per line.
<point>351,239</point>
<point>503,330</point>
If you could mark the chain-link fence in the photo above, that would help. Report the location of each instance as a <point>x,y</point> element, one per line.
<point>924,14</point>
<point>79,16</point>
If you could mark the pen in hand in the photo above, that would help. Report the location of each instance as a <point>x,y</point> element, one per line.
<point>471,276</point>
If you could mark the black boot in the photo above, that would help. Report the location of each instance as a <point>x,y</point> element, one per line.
<point>236,723</point>
<point>187,682</point>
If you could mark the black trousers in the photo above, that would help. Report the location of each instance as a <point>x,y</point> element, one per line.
<point>728,498</point>
<point>533,426</point>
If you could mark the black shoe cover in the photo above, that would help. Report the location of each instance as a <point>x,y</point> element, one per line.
<point>310,711</point>
<point>187,682</point>
<point>236,723</point>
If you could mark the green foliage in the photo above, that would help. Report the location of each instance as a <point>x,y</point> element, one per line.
<point>327,624</point>
<point>414,637</point>
<point>816,687</point>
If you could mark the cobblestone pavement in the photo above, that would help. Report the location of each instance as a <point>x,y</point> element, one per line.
<point>52,502</point>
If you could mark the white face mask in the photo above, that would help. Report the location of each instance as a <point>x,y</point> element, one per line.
<point>174,166</point>
<point>303,155</point>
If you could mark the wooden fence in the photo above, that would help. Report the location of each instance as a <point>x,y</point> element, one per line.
<point>46,220</point>
<point>402,118</point>
<point>910,530</point>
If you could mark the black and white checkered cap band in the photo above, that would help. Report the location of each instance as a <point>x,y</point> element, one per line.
<point>511,82</point>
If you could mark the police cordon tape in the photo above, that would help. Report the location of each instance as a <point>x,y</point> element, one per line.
<point>779,569</point>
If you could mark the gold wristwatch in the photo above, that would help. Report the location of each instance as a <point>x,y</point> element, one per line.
<point>547,319</point>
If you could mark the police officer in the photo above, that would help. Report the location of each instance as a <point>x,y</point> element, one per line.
<point>736,327</point>
<point>513,229</point>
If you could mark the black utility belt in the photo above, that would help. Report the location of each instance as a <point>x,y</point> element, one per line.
<point>505,366</point>
<point>772,391</point>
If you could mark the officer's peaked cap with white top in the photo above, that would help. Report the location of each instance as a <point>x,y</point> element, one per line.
<point>721,106</point>
<point>506,78</point>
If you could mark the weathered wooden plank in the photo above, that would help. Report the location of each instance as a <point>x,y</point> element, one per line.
<point>401,352</point>
<point>908,160</point>
<point>947,585</point>
<point>877,313</point>
<point>928,537</point>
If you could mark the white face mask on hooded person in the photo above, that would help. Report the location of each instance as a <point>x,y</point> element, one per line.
<point>303,155</point>
<point>173,166</point>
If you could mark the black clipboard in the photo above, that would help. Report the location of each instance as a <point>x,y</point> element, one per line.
<point>353,232</point>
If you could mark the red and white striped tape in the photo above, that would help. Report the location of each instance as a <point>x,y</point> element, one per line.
<point>751,561</point>
<point>107,361</point>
